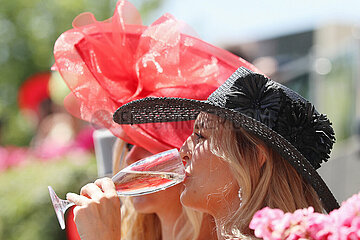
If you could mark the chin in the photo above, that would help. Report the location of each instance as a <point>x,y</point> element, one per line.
<point>192,198</point>
<point>156,202</point>
<point>151,203</point>
<point>184,199</point>
<point>187,199</point>
<point>143,204</point>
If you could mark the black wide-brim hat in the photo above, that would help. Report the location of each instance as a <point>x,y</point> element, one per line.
<point>274,113</point>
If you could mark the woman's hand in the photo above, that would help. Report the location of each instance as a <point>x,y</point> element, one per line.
<point>97,213</point>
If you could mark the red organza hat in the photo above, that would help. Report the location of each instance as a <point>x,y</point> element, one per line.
<point>107,64</point>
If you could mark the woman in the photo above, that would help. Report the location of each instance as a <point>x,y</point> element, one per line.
<point>154,216</point>
<point>255,143</point>
<point>159,215</point>
<point>106,64</point>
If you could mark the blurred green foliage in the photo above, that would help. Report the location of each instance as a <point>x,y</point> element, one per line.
<point>26,211</point>
<point>28,31</point>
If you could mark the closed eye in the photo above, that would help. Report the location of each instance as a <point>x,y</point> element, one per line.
<point>129,146</point>
<point>199,136</point>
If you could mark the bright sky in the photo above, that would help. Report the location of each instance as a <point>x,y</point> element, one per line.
<point>229,21</point>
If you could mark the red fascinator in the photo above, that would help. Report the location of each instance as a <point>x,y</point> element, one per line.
<point>107,64</point>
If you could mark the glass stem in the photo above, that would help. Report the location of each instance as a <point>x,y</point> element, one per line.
<point>65,205</point>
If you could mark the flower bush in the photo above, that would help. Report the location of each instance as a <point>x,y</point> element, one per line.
<point>340,224</point>
<point>26,211</point>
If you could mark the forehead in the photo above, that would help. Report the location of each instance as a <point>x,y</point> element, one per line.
<point>206,121</point>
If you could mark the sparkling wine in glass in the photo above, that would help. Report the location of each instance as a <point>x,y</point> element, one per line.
<point>148,175</point>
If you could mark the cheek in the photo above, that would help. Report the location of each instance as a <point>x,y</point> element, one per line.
<point>211,179</point>
<point>207,168</point>
<point>197,186</point>
<point>221,176</point>
<point>136,154</point>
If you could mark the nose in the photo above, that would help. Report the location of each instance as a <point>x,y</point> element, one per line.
<point>135,154</point>
<point>185,150</point>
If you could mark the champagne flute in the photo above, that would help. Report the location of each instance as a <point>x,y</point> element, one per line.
<point>148,175</point>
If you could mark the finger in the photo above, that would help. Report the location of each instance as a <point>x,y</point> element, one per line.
<point>77,199</point>
<point>107,185</point>
<point>91,190</point>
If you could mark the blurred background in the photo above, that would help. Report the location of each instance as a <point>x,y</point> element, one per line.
<point>311,46</point>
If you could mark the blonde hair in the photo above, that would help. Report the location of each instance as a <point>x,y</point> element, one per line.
<point>138,226</point>
<point>265,178</point>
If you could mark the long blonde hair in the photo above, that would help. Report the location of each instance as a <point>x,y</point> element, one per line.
<point>138,226</point>
<point>272,182</point>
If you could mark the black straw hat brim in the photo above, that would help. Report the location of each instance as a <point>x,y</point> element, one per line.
<point>155,110</point>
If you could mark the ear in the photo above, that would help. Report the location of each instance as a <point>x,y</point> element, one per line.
<point>262,155</point>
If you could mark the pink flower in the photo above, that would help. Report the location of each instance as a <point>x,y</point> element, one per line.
<point>12,156</point>
<point>347,219</point>
<point>340,224</point>
<point>263,223</point>
<point>319,226</point>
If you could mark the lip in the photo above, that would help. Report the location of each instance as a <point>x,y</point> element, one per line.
<point>187,164</point>
<point>187,167</point>
<point>187,176</point>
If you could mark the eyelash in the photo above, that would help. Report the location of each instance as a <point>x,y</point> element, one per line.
<point>129,146</point>
<point>199,136</point>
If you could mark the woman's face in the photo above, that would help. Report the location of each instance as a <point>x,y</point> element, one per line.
<point>209,185</point>
<point>155,202</point>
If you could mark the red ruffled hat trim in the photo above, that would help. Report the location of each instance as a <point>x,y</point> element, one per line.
<point>107,64</point>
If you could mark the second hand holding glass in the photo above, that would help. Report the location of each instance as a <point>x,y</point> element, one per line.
<point>145,176</point>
